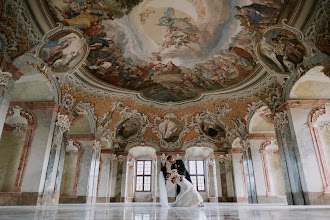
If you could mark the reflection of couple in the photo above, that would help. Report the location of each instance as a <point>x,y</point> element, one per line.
<point>175,173</point>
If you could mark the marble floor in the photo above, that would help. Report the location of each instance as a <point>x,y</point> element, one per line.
<point>148,211</point>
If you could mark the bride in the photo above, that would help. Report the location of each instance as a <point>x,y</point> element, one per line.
<point>188,196</point>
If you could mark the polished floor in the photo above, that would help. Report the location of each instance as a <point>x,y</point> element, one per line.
<point>149,211</point>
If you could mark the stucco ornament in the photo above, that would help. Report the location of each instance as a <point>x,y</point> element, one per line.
<point>131,125</point>
<point>120,158</point>
<point>281,121</point>
<point>63,122</point>
<point>113,158</point>
<point>63,49</point>
<point>16,119</point>
<point>323,121</point>
<point>72,146</point>
<point>163,159</point>
<point>170,130</point>
<point>245,144</point>
<point>68,101</point>
<point>96,146</point>
<point>225,159</point>
<point>4,78</point>
<point>209,127</point>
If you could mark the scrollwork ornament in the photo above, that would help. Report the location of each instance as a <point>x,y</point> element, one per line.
<point>113,158</point>
<point>4,80</point>
<point>245,144</point>
<point>96,146</point>
<point>120,159</point>
<point>63,122</point>
<point>281,121</point>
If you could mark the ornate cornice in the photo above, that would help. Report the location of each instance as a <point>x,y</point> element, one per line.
<point>259,136</point>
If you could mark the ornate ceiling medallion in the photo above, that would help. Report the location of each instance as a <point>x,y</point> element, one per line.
<point>170,130</point>
<point>64,49</point>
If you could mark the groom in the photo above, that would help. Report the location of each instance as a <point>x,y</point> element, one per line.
<point>179,165</point>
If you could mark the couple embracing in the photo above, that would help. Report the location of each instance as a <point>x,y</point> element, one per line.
<point>175,173</point>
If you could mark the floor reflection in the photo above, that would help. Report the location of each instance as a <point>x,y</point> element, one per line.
<point>151,211</point>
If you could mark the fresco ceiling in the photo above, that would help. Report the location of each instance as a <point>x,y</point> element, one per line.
<point>170,50</point>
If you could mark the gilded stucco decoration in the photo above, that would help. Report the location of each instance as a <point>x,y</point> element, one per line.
<point>170,130</point>
<point>131,125</point>
<point>18,32</point>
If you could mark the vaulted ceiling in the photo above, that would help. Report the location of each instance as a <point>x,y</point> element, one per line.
<point>184,62</point>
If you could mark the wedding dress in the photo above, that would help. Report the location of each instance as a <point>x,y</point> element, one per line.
<point>188,196</point>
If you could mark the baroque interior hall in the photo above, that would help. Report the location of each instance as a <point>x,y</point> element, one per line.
<point>96,94</point>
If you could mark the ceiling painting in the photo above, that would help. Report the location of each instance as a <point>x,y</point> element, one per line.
<point>171,50</point>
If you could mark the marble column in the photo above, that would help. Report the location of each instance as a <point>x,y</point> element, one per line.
<point>223,179</point>
<point>94,173</point>
<point>154,178</point>
<point>288,155</point>
<point>8,75</point>
<point>113,177</point>
<point>130,179</point>
<point>53,179</point>
<point>120,177</point>
<point>218,175</point>
<point>211,174</point>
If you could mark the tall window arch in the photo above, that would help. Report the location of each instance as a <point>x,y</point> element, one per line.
<point>319,124</point>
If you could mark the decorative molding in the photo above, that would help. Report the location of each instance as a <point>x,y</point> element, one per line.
<point>4,80</point>
<point>235,151</point>
<point>281,121</point>
<point>199,118</point>
<point>318,121</point>
<point>301,104</point>
<point>170,121</point>
<point>19,31</point>
<point>96,146</point>
<point>141,118</point>
<point>259,136</point>
<point>63,122</point>
<point>18,118</point>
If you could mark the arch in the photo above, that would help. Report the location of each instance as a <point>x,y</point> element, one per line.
<point>142,143</point>
<point>41,84</point>
<point>259,122</point>
<point>314,84</point>
<point>86,110</point>
<point>198,143</point>
<point>318,121</point>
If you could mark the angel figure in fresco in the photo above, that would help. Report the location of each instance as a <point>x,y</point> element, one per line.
<point>258,13</point>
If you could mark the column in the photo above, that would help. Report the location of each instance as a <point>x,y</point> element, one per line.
<point>213,193</point>
<point>52,185</point>
<point>292,177</point>
<point>94,173</point>
<point>154,178</point>
<point>223,179</point>
<point>120,177</point>
<point>217,156</point>
<point>130,179</point>
<point>8,75</point>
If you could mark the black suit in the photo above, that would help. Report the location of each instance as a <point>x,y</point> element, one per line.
<point>179,165</point>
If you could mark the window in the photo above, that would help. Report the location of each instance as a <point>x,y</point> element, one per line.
<point>196,170</point>
<point>143,175</point>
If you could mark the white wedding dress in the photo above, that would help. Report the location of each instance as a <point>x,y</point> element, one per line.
<point>188,196</point>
